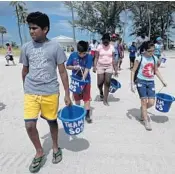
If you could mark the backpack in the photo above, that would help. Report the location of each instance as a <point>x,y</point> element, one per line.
<point>137,70</point>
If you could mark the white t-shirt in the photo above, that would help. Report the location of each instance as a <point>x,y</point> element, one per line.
<point>93,46</point>
<point>146,70</point>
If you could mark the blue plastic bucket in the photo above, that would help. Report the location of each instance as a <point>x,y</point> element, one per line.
<point>163,60</point>
<point>163,102</point>
<point>114,85</point>
<point>72,118</point>
<point>77,85</point>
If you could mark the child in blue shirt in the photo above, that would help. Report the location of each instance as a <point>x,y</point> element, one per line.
<point>80,63</point>
<point>132,55</point>
<point>158,49</point>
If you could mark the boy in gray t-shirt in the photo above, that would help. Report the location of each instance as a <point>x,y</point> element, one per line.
<point>40,59</point>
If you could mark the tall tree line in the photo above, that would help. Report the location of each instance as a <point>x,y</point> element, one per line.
<point>153,18</point>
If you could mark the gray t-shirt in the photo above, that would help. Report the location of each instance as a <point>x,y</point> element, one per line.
<point>42,60</point>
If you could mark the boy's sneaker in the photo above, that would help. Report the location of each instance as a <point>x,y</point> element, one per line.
<point>147,125</point>
<point>88,119</point>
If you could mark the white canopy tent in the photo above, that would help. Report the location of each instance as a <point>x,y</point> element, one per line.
<point>66,42</point>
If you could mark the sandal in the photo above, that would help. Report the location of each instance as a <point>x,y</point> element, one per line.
<point>57,157</point>
<point>36,164</point>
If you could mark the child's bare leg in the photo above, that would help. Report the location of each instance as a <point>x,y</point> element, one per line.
<point>87,107</point>
<point>77,102</point>
<point>7,62</point>
<point>13,62</point>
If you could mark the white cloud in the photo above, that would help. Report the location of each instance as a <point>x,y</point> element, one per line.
<point>52,8</point>
<point>61,26</point>
<point>48,7</point>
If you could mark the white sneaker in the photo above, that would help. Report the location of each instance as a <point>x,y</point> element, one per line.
<point>147,125</point>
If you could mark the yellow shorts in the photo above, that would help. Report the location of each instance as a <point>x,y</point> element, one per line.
<point>47,105</point>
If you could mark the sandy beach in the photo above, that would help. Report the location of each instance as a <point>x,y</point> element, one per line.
<point>116,142</point>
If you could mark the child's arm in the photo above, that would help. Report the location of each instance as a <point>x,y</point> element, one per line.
<point>88,66</point>
<point>85,73</point>
<point>24,60</point>
<point>157,73</point>
<point>60,61</point>
<point>96,58</point>
<point>136,64</point>
<point>69,64</point>
<point>70,67</point>
<point>25,71</point>
<point>65,82</point>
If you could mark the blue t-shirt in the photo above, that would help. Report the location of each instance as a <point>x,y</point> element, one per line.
<point>85,62</point>
<point>132,50</point>
<point>158,49</point>
<point>147,68</point>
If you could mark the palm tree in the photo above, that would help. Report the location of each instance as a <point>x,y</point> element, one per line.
<point>2,31</point>
<point>23,15</point>
<point>149,19</point>
<point>17,5</point>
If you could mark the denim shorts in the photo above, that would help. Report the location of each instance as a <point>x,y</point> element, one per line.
<point>116,57</point>
<point>146,89</point>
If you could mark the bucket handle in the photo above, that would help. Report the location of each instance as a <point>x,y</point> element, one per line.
<point>173,98</point>
<point>114,77</point>
<point>160,89</point>
<point>80,70</point>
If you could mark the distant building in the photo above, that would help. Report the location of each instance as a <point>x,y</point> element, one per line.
<point>66,42</point>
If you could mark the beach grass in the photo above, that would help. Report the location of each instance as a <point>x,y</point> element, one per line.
<point>16,51</point>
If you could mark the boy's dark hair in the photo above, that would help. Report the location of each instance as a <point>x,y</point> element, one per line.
<point>7,44</point>
<point>40,19</point>
<point>82,46</point>
<point>146,45</point>
<point>106,36</point>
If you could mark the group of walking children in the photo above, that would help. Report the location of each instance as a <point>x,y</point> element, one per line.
<point>41,58</point>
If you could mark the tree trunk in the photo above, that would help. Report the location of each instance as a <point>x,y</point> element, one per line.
<point>149,22</point>
<point>2,40</point>
<point>19,28</point>
<point>73,23</point>
<point>24,32</point>
<point>168,28</point>
<point>125,23</point>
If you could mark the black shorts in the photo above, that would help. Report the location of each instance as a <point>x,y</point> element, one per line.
<point>9,57</point>
<point>132,59</point>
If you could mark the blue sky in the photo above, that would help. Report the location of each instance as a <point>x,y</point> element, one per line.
<point>59,16</point>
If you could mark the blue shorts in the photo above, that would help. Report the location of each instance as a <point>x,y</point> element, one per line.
<point>146,89</point>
